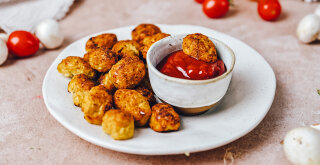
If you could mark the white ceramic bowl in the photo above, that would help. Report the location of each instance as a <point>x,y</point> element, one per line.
<point>189,96</point>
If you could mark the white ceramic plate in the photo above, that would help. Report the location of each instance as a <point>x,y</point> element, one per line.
<point>247,101</point>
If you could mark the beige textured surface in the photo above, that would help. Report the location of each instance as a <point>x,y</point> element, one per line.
<point>30,135</point>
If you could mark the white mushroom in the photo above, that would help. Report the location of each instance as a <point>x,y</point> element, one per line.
<point>302,146</point>
<point>315,126</point>
<point>49,34</point>
<point>317,11</point>
<point>4,37</point>
<point>3,52</point>
<point>308,28</point>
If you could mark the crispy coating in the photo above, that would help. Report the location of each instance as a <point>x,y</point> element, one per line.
<point>86,57</point>
<point>72,66</point>
<point>128,72</point>
<point>144,30</point>
<point>106,40</point>
<point>200,47</point>
<point>164,118</point>
<point>144,91</point>
<point>101,59</point>
<point>96,102</point>
<point>145,82</point>
<point>126,48</point>
<point>106,82</point>
<point>79,86</point>
<point>134,103</point>
<point>150,40</point>
<point>144,51</point>
<point>118,124</point>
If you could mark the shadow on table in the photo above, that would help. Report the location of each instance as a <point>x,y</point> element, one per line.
<point>231,13</point>
<point>13,59</point>
<point>283,16</point>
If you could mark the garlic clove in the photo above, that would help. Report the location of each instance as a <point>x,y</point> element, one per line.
<point>4,37</point>
<point>309,28</point>
<point>49,34</point>
<point>3,52</point>
<point>302,146</point>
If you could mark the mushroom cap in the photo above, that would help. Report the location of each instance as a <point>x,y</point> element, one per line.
<point>317,11</point>
<point>308,28</point>
<point>49,33</point>
<point>4,37</point>
<point>302,146</point>
<point>3,52</point>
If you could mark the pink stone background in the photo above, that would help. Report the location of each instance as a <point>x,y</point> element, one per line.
<point>30,135</point>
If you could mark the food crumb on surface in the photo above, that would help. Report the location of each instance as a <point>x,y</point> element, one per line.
<point>187,154</point>
<point>281,142</point>
<point>228,157</point>
<point>37,97</point>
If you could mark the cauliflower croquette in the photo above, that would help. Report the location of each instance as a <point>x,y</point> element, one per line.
<point>106,40</point>
<point>79,86</point>
<point>144,30</point>
<point>126,48</point>
<point>106,82</point>
<point>144,91</point>
<point>145,82</point>
<point>73,65</point>
<point>118,124</point>
<point>134,103</point>
<point>164,118</point>
<point>86,57</point>
<point>101,59</point>
<point>200,47</point>
<point>96,102</point>
<point>128,72</point>
<point>150,40</point>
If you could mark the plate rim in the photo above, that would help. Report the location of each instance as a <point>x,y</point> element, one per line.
<point>82,135</point>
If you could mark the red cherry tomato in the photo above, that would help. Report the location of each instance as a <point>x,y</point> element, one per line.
<point>215,8</point>
<point>199,1</point>
<point>269,10</point>
<point>22,43</point>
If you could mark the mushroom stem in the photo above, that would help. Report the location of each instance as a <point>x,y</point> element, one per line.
<point>315,126</point>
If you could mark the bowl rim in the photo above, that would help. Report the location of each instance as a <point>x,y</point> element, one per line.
<point>186,81</point>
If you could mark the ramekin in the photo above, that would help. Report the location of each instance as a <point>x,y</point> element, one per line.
<point>188,96</point>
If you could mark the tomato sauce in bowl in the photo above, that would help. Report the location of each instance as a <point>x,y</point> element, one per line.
<point>180,65</point>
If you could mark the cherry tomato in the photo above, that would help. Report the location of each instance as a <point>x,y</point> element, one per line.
<point>22,43</point>
<point>215,8</point>
<point>269,10</point>
<point>199,1</point>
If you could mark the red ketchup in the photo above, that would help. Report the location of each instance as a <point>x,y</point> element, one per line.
<point>180,65</point>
